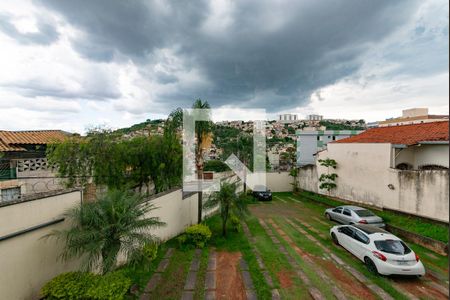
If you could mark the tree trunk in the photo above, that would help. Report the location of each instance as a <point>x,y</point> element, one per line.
<point>224,227</point>
<point>200,207</point>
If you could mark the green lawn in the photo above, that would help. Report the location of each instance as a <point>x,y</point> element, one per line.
<point>410,223</point>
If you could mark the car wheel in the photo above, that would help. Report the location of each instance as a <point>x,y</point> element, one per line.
<point>334,238</point>
<point>371,266</point>
<point>327,215</point>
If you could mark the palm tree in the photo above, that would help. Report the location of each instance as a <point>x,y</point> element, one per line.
<point>203,131</point>
<point>116,223</point>
<point>229,202</point>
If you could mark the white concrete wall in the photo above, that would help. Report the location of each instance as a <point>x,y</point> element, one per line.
<point>432,154</point>
<point>279,181</point>
<point>176,212</point>
<point>364,174</point>
<point>27,261</point>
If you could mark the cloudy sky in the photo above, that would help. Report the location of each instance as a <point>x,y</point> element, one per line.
<point>74,64</point>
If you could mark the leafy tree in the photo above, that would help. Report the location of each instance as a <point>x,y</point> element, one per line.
<point>327,181</point>
<point>229,203</point>
<point>117,223</point>
<point>294,173</point>
<point>289,157</point>
<point>216,166</point>
<point>105,158</point>
<point>203,131</point>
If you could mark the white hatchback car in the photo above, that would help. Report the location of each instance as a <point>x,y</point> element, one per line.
<point>382,252</point>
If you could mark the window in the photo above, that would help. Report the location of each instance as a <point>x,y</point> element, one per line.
<point>338,210</point>
<point>347,231</point>
<point>334,137</point>
<point>361,237</point>
<point>318,138</point>
<point>10,194</point>
<point>364,213</point>
<point>347,212</point>
<point>392,246</point>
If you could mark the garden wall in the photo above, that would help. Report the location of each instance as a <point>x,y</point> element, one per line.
<point>372,182</point>
<point>279,181</point>
<point>26,260</point>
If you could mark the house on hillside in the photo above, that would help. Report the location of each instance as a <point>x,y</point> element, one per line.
<point>403,168</point>
<point>23,165</point>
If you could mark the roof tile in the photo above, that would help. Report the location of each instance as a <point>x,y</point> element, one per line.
<point>403,134</point>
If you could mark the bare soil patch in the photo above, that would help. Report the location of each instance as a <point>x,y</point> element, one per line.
<point>229,278</point>
<point>419,288</point>
<point>285,279</point>
<point>344,280</point>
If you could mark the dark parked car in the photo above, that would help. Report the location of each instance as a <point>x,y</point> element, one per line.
<point>262,193</point>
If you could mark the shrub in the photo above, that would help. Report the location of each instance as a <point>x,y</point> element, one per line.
<point>112,286</point>
<point>196,236</point>
<point>145,256</point>
<point>235,223</point>
<point>215,166</point>
<point>71,285</point>
<point>83,285</point>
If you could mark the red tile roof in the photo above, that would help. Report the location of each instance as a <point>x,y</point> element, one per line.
<point>12,140</point>
<point>402,134</point>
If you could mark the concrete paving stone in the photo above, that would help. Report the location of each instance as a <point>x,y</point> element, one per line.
<point>275,295</point>
<point>303,277</point>
<point>337,259</point>
<point>440,288</point>
<point>190,281</point>
<point>212,264</point>
<point>210,280</point>
<point>275,240</point>
<point>283,250</point>
<point>243,264</point>
<point>210,295</point>
<point>404,291</point>
<point>153,282</point>
<point>338,293</point>
<point>163,265</point>
<point>169,253</point>
<point>195,264</point>
<point>248,282</point>
<point>380,292</point>
<point>361,278</point>
<point>251,295</point>
<point>260,263</point>
<point>187,295</point>
<point>268,278</point>
<point>316,294</point>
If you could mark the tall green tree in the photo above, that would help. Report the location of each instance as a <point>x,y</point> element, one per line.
<point>229,203</point>
<point>117,223</point>
<point>106,158</point>
<point>328,180</point>
<point>203,131</point>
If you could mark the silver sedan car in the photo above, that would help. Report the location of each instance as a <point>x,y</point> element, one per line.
<point>349,214</point>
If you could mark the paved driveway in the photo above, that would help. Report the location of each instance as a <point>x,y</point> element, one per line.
<point>291,237</point>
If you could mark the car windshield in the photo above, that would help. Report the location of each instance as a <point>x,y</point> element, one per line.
<point>364,213</point>
<point>392,246</point>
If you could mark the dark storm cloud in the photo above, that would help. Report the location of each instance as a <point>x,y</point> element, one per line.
<point>46,34</point>
<point>269,54</point>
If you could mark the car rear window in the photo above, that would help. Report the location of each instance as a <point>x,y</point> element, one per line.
<point>392,246</point>
<point>364,213</point>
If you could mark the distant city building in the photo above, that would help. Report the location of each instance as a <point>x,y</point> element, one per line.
<point>372,124</point>
<point>287,118</point>
<point>413,116</point>
<point>309,142</point>
<point>314,117</point>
